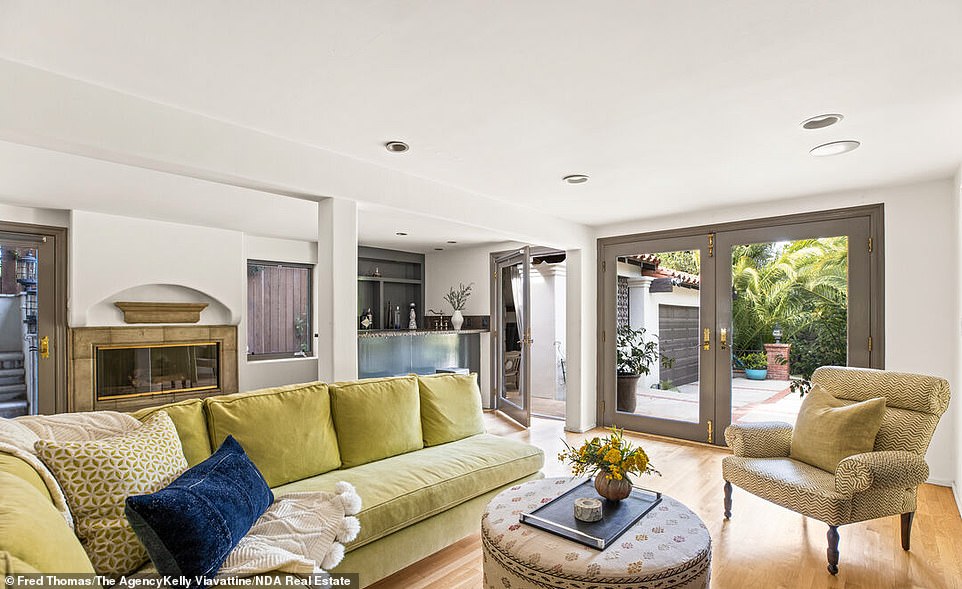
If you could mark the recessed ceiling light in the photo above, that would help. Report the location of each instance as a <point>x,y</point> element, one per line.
<point>439,249</point>
<point>396,146</point>
<point>834,148</point>
<point>401,233</point>
<point>451,241</point>
<point>821,121</point>
<point>575,179</point>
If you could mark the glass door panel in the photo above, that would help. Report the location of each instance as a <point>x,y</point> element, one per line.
<point>514,336</point>
<point>663,377</point>
<point>799,299</point>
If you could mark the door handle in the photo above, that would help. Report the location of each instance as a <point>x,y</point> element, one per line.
<point>723,338</point>
<point>44,347</point>
<point>706,340</point>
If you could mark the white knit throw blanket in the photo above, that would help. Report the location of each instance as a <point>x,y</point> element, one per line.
<point>301,533</point>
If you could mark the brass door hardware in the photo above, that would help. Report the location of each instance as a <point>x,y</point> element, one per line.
<point>706,340</point>
<point>711,437</point>
<point>723,338</point>
<point>44,347</point>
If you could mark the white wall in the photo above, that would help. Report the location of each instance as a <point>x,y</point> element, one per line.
<point>956,197</point>
<point>921,240</point>
<point>442,270</point>
<point>34,216</point>
<point>547,322</point>
<point>115,258</point>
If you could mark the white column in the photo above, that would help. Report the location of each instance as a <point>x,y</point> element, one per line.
<point>336,286</point>
<point>581,338</point>
<point>643,313</point>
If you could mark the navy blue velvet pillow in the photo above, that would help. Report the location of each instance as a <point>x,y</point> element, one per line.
<point>190,526</point>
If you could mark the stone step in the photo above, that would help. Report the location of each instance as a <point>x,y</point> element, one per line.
<point>12,392</point>
<point>7,356</point>
<point>16,378</point>
<point>5,372</point>
<point>13,408</point>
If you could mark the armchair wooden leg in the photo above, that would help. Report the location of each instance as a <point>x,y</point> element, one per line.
<point>832,551</point>
<point>907,519</point>
<point>728,501</point>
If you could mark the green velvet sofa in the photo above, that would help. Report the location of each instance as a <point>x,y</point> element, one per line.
<point>414,448</point>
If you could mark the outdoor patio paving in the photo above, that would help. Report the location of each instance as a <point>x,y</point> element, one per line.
<point>752,400</point>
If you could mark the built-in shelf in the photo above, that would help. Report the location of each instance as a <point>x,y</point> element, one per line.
<point>389,278</point>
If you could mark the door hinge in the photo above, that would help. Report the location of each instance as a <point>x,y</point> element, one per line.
<point>711,245</point>
<point>869,343</point>
<point>494,275</point>
<point>711,437</point>
<point>602,335</point>
<point>602,407</point>
<point>604,266</point>
<point>870,245</point>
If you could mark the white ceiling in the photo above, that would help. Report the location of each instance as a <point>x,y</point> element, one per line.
<point>669,106</point>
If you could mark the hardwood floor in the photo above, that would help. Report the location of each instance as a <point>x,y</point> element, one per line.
<point>762,546</point>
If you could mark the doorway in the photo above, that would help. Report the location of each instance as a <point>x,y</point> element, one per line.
<point>32,319</point>
<point>711,325</point>
<point>529,330</point>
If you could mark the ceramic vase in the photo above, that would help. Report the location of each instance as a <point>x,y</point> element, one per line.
<point>457,320</point>
<point>612,489</point>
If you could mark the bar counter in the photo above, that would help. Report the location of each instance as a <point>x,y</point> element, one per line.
<point>395,352</point>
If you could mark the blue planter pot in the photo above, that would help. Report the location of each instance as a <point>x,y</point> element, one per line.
<point>756,373</point>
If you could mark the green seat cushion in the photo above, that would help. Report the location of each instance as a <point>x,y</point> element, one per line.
<point>34,534</point>
<point>399,491</point>
<point>376,418</point>
<point>287,433</point>
<point>829,429</point>
<point>450,407</point>
<point>16,466</point>
<point>188,417</point>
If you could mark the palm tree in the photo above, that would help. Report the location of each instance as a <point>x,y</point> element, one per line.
<point>803,287</point>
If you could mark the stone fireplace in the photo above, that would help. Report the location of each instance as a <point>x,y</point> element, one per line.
<point>127,368</point>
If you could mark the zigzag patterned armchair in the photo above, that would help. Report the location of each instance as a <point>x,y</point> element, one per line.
<point>864,486</point>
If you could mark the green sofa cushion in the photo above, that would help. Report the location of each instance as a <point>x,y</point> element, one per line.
<point>287,432</point>
<point>399,491</point>
<point>18,467</point>
<point>188,417</point>
<point>829,429</point>
<point>450,407</point>
<point>376,418</point>
<point>34,534</point>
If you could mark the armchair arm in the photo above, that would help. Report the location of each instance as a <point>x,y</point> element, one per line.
<point>889,468</point>
<point>765,439</point>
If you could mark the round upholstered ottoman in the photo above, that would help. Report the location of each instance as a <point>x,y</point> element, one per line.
<point>667,548</point>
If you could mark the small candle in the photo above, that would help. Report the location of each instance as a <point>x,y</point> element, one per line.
<point>587,509</point>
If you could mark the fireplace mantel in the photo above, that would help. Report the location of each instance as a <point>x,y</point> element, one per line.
<point>85,341</point>
<point>145,312</point>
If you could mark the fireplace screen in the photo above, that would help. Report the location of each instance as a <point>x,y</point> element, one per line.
<point>134,371</point>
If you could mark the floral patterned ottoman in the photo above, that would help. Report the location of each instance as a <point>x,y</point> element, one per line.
<point>668,548</point>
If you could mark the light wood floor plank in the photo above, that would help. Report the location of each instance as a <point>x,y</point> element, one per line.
<point>762,546</point>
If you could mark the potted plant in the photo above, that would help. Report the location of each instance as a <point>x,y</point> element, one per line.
<point>634,354</point>
<point>755,364</point>
<point>610,461</point>
<point>458,298</point>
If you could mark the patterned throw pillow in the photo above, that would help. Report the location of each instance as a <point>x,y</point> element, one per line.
<point>97,476</point>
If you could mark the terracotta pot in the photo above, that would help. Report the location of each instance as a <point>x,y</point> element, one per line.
<point>612,489</point>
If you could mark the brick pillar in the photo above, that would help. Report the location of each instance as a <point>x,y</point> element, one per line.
<point>777,369</point>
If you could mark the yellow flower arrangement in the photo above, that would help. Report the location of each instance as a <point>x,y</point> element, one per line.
<point>612,456</point>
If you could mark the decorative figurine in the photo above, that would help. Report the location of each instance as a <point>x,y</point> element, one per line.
<point>365,320</point>
<point>412,318</point>
<point>377,272</point>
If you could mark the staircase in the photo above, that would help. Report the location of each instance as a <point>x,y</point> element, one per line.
<point>13,385</point>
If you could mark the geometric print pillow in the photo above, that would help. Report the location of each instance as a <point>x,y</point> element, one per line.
<point>98,475</point>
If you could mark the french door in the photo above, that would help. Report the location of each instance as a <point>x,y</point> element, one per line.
<point>708,307</point>
<point>511,338</point>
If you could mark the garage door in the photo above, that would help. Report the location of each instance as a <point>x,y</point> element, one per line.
<point>678,339</point>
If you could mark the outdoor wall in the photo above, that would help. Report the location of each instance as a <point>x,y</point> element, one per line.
<point>547,329</point>
<point>921,240</point>
<point>11,323</point>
